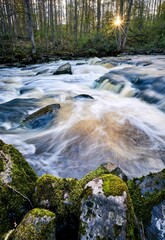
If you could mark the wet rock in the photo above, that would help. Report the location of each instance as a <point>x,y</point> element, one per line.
<point>16,109</point>
<point>83,96</point>
<point>64,69</point>
<point>148,195</point>
<point>60,195</point>
<point>37,224</point>
<point>17,180</point>
<point>106,210</point>
<point>94,61</point>
<point>143,63</point>
<point>42,117</point>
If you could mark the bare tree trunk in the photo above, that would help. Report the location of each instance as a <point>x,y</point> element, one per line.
<point>75,22</point>
<point>127,23</point>
<point>119,32</point>
<point>30,25</point>
<point>98,15</point>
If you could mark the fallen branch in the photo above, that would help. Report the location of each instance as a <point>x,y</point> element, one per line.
<point>21,195</point>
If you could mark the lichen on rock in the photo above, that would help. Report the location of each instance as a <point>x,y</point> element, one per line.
<point>37,224</point>
<point>106,210</point>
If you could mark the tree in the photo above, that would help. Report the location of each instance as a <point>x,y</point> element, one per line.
<point>30,25</point>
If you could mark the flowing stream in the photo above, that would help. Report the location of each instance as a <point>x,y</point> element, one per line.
<point>101,126</point>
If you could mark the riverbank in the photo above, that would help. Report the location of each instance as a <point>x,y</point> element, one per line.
<point>24,59</point>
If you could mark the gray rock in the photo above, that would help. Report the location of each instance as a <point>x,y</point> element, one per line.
<point>64,69</point>
<point>37,224</point>
<point>17,181</point>
<point>106,212</point>
<point>148,195</point>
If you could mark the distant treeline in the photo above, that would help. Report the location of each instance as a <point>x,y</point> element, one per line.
<point>81,26</point>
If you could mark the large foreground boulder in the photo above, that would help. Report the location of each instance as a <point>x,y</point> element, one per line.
<point>148,195</point>
<point>17,181</point>
<point>37,224</point>
<point>57,195</point>
<point>106,210</point>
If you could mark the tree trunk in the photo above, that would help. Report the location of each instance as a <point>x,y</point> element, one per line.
<point>127,23</point>
<point>30,25</point>
<point>98,15</point>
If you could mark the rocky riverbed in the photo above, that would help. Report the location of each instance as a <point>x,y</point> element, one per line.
<point>93,136</point>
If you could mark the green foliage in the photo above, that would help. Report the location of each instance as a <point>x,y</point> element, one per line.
<point>98,44</point>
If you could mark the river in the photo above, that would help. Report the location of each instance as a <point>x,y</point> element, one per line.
<point>124,127</point>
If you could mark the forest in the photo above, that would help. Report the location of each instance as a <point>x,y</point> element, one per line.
<point>80,28</point>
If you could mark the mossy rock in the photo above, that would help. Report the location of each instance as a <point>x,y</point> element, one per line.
<point>17,181</point>
<point>37,224</point>
<point>107,210</point>
<point>42,117</point>
<point>56,194</point>
<point>148,196</point>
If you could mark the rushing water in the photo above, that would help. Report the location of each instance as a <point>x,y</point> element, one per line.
<point>86,132</point>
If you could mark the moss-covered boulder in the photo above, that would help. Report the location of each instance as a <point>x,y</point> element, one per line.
<point>56,194</point>
<point>42,117</point>
<point>37,224</point>
<point>148,195</point>
<point>106,210</point>
<point>17,181</point>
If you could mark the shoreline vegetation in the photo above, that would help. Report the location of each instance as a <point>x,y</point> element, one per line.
<point>34,32</point>
<point>23,59</point>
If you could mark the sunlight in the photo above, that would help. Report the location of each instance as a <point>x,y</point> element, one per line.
<point>118,21</point>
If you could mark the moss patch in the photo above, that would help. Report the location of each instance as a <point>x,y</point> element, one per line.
<point>22,181</point>
<point>143,204</point>
<point>1,165</point>
<point>113,185</point>
<point>37,224</point>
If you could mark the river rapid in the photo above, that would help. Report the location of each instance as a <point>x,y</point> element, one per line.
<point>121,123</point>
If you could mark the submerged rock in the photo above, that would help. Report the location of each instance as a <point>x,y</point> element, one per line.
<point>42,71</point>
<point>111,83</point>
<point>64,69</point>
<point>106,210</point>
<point>42,117</point>
<point>94,61</point>
<point>17,180</point>
<point>148,195</point>
<point>37,224</point>
<point>16,109</point>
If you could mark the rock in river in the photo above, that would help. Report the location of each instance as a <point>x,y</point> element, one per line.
<point>64,69</point>
<point>42,117</point>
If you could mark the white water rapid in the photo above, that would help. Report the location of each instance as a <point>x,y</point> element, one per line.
<point>86,132</point>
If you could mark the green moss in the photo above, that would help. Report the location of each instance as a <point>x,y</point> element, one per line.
<point>1,165</point>
<point>143,204</point>
<point>96,173</point>
<point>13,205</point>
<point>37,224</point>
<point>113,185</point>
